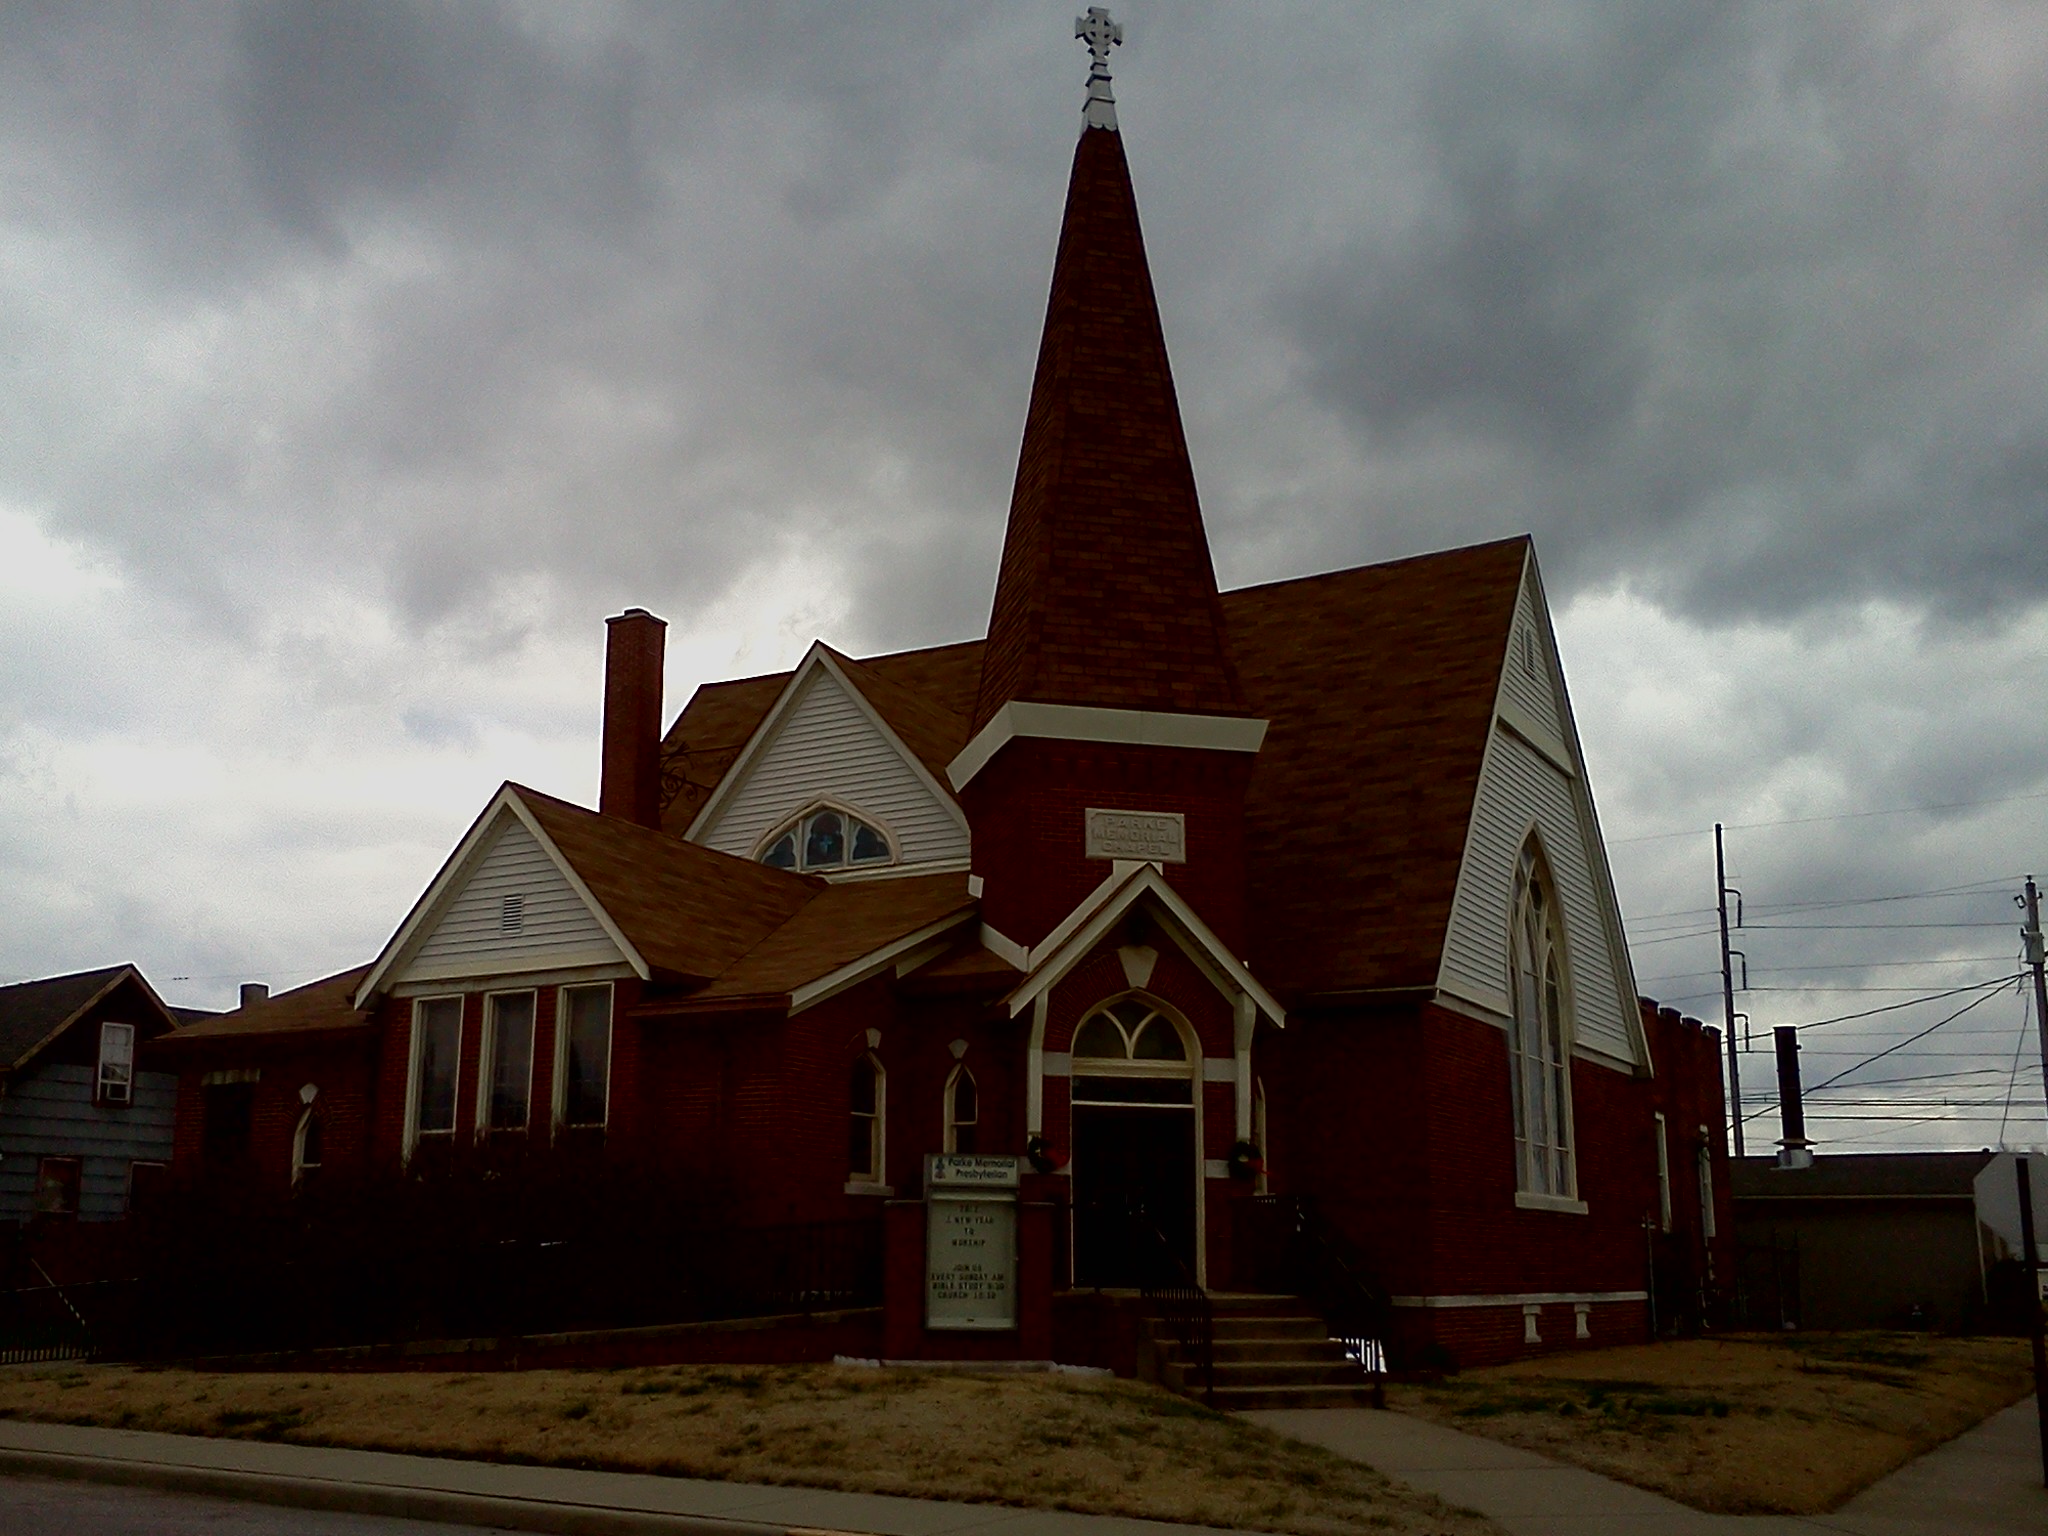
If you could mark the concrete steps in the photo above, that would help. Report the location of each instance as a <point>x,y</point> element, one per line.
<point>1269,1352</point>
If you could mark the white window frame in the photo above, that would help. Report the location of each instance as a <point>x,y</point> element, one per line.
<point>874,1179</point>
<point>300,1167</point>
<point>846,866</point>
<point>1540,1038</point>
<point>1663,1173</point>
<point>1706,1169</point>
<point>487,1061</point>
<point>413,1133</point>
<point>960,1070</point>
<point>104,1088</point>
<point>559,1109</point>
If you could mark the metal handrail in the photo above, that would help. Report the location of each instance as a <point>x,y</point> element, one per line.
<point>1170,1288</point>
<point>1326,1268</point>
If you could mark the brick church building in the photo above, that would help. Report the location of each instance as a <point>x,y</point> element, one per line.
<point>1189,896</point>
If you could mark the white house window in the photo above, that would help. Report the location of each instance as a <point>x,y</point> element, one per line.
<point>963,1111</point>
<point>116,1083</point>
<point>867,1100</point>
<point>436,1048</point>
<point>1539,1050</point>
<point>825,839</point>
<point>1129,1052</point>
<point>583,1055</point>
<point>505,1083</point>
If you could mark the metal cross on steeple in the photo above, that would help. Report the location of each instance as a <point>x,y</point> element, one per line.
<point>1100,34</point>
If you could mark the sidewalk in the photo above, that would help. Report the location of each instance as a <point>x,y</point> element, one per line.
<point>550,1499</point>
<point>1986,1482</point>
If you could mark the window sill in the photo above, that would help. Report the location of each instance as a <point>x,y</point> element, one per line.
<point>1526,1201</point>
<point>866,1187</point>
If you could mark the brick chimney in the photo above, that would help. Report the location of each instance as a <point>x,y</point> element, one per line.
<point>630,786</point>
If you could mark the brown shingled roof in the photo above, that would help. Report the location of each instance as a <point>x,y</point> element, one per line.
<point>844,923</point>
<point>1106,594</point>
<point>690,911</point>
<point>318,1006</point>
<point>1379,684</point>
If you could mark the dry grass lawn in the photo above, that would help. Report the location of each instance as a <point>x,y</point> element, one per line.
<point>1092,1445</point>
<point>1748,1424</point>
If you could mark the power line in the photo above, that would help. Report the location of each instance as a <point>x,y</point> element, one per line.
<point>1807,821</point>
<point>1922,1035</point>
<point>1931,997</point>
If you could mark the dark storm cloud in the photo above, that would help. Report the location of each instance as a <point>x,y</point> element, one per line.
<point>1721,296</point>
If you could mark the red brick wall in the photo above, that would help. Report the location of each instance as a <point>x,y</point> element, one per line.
<point>1027,810</point>
<point>343,1072</point>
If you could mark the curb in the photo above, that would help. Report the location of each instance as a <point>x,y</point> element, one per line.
<point>435,1504</point>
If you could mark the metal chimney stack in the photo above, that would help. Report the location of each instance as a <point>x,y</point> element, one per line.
<point>1795,1150</point>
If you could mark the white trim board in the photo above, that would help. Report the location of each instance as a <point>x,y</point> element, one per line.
<point>454,874</point>
<point>818,659</point>
<point>1085,926</point>
<point>1083,722</point>
<point>1524,1299</point>
<point>854,972</point>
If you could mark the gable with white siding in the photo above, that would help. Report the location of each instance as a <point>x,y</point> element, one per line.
<point>822,741</point>
<point>1534,782</point>
<point>512,911</point>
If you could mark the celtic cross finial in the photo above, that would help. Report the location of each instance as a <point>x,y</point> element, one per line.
<point>1100,34</point>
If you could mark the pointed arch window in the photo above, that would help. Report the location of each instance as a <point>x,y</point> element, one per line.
<point>963,1112</point>
<point>1539,1045</point>
<point>827,838</point>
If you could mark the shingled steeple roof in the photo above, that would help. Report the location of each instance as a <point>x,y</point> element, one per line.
<point>1106,596</point>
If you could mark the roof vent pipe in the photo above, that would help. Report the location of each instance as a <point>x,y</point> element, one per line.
<point>255,992</point>
<point>629,783</point>
<point>1794,1149</point>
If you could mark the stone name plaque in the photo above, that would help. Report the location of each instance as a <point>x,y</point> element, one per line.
<point>1158,836</point>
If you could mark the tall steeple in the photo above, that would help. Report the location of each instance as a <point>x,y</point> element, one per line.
<point>1106,595</point>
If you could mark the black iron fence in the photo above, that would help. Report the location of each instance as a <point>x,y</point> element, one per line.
<point>461,1256</point>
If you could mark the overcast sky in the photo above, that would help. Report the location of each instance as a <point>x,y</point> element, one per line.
<point>356,359</point>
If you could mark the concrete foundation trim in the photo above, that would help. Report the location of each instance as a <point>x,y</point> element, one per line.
<point>1522,1299</point>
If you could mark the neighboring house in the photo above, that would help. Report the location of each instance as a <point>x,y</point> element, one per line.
<point>277,1092</point>
<point>1863,1240</point>
<point>1185,894</point>
<point>82,1121</point>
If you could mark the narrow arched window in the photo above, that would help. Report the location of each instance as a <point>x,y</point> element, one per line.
<point>825,839</point>
<point>1539,1047</point>
<point>306,1149</point>
<point>867,1100</point>
<point>963,1112</point>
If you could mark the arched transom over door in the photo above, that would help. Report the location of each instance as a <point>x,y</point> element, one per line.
<point>1136,1165</point>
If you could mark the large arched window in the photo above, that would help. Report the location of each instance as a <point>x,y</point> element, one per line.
<point>1129,1052</point>
<point>827,838</point>
<point>1539,1047</point>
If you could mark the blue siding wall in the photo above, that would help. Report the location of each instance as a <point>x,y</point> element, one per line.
<point>49,1112</point>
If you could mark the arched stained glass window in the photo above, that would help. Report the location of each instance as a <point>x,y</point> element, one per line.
<point>1539,1047</point>
<point>826,839</point>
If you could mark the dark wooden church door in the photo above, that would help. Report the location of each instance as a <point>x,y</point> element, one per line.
<point>1133,1166</point>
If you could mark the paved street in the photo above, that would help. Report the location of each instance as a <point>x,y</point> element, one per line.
<point>39,1507</point>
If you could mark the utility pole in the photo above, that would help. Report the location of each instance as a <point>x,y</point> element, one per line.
<point>1728,987</point>
<point>2030,1258</point>
<point>2030,936</point>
